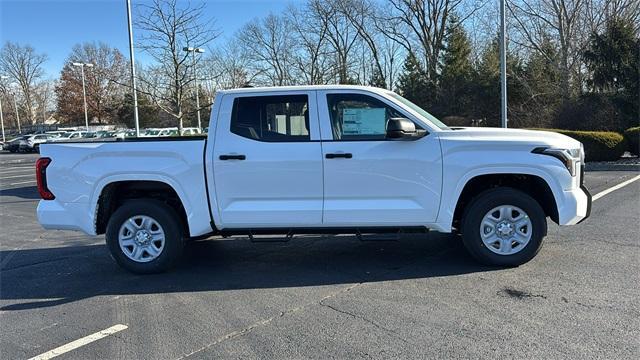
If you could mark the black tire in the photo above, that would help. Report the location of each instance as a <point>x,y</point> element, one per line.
<point>36,148</point>
<point>485,202</point>
<point>163,215</point>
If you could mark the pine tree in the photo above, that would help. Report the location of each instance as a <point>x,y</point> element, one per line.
<point>613,58</point>
<point>456,80</point>
<point>413,83</point>
<point>488,87</point>
<point>543,95</point>
<point>377,80</point>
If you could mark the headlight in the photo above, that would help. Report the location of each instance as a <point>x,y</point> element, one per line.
<point>569,157</point>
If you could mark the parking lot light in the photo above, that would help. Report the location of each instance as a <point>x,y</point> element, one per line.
<point>2,77</point>
<point>193,51</point>
<point>84,91</point>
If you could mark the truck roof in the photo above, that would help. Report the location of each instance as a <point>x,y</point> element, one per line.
<point>302,87</point>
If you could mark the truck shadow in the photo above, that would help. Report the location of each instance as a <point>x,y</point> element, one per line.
<point>25,192</point>
<point>68,274</point>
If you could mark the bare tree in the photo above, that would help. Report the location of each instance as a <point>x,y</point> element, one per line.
<point>44,99</point>
<point>341,35</point>
<point>24,66</point>
<point>227,68</point>
<point>420,26</point>
<point>168,26</point>
<point>268,44</point>
<point>104,81</point>
<point>363,16</point>
<point>536,20</point>
<point>311,59</point>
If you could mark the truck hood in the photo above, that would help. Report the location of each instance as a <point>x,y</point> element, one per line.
<point>510,136</point>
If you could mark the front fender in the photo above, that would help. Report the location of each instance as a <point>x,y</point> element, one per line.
<point>556,178</point>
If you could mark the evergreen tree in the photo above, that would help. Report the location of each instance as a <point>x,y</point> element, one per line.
<point>613,58</point>
<point>488,87</point>
<point>456,80</point>
<point>147,113</point>
<point>377,80</point>
<point>413,83</point>
<point>543,94</point>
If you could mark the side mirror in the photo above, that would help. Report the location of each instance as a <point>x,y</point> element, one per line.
<point>403,129</point>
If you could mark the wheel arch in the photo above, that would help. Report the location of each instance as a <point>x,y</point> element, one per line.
<point>113,192</point>
<point>534,184</point>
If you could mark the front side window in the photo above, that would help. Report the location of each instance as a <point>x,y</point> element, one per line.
<point>359,117</point>
<point>281,118</point>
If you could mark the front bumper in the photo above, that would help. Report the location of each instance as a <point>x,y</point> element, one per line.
<point>589,201</point>
<point>574,206</point>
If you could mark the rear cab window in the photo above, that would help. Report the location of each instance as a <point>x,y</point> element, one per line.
<point>271,118</point>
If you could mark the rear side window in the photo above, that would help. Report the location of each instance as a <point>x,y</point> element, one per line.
<point>282,118</point>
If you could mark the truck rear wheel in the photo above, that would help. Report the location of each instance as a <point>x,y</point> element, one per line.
<point>503,227</point>
<point>145,236</point>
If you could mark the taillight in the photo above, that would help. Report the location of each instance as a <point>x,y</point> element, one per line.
<point>41,178</point>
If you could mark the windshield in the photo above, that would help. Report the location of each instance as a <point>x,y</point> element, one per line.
<point>420,111</point>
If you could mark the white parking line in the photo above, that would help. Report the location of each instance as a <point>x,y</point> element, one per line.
<point>29,169</point>
<point>16,176</point>
<point>614,188</point>
<point>20,183</point>
<point>80,342</point>
<point>32,167</point>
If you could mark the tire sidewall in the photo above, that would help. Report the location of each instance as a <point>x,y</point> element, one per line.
<point>165,216</point>
<point>490,199</point>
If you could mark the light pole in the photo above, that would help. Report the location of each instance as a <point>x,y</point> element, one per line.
<point>503,66</point>
<point>84,91</point>
<point>2,120</point>
<point>133,70</point>
<point>193,51</point>
<point>1,115</point>
<point>15,104</point>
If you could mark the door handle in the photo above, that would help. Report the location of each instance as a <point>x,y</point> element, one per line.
<point>232,157</point>
<point>339,155</point>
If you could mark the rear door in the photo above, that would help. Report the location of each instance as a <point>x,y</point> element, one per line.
<point>267,160</point>
<point>370,180</point>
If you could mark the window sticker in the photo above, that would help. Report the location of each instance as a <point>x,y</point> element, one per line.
<point>371,121</point>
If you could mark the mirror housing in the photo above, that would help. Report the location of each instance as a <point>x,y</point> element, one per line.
<point>403,129</point>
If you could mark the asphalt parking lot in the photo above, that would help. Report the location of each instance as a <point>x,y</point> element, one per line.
<point>323,296</point>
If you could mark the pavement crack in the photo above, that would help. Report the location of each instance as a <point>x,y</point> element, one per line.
<point>360,317</point>
<point>264,322</point>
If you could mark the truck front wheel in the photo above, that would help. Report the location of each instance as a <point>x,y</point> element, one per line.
<point>144,236</point>
<point>503,227</point>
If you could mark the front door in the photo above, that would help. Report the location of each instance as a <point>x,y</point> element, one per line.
<point>267,166</point>
<point>370,180</point>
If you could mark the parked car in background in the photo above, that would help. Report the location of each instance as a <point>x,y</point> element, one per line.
<point>55,134</point>
<point>124,134</point>
<point>32,143</point>
<point>104,134</point>
<point>74,135</point>
<point>1,145</point>
<point>189,131</point>
<point>14,144</point>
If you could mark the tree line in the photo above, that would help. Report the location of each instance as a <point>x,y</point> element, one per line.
<point>571,64</point>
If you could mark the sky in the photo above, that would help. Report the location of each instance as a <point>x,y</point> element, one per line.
<point>54,26</point>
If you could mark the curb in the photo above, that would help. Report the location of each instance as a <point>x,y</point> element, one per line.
<point>611,167</point>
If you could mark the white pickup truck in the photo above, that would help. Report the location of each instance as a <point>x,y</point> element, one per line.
<point>315,159</point>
